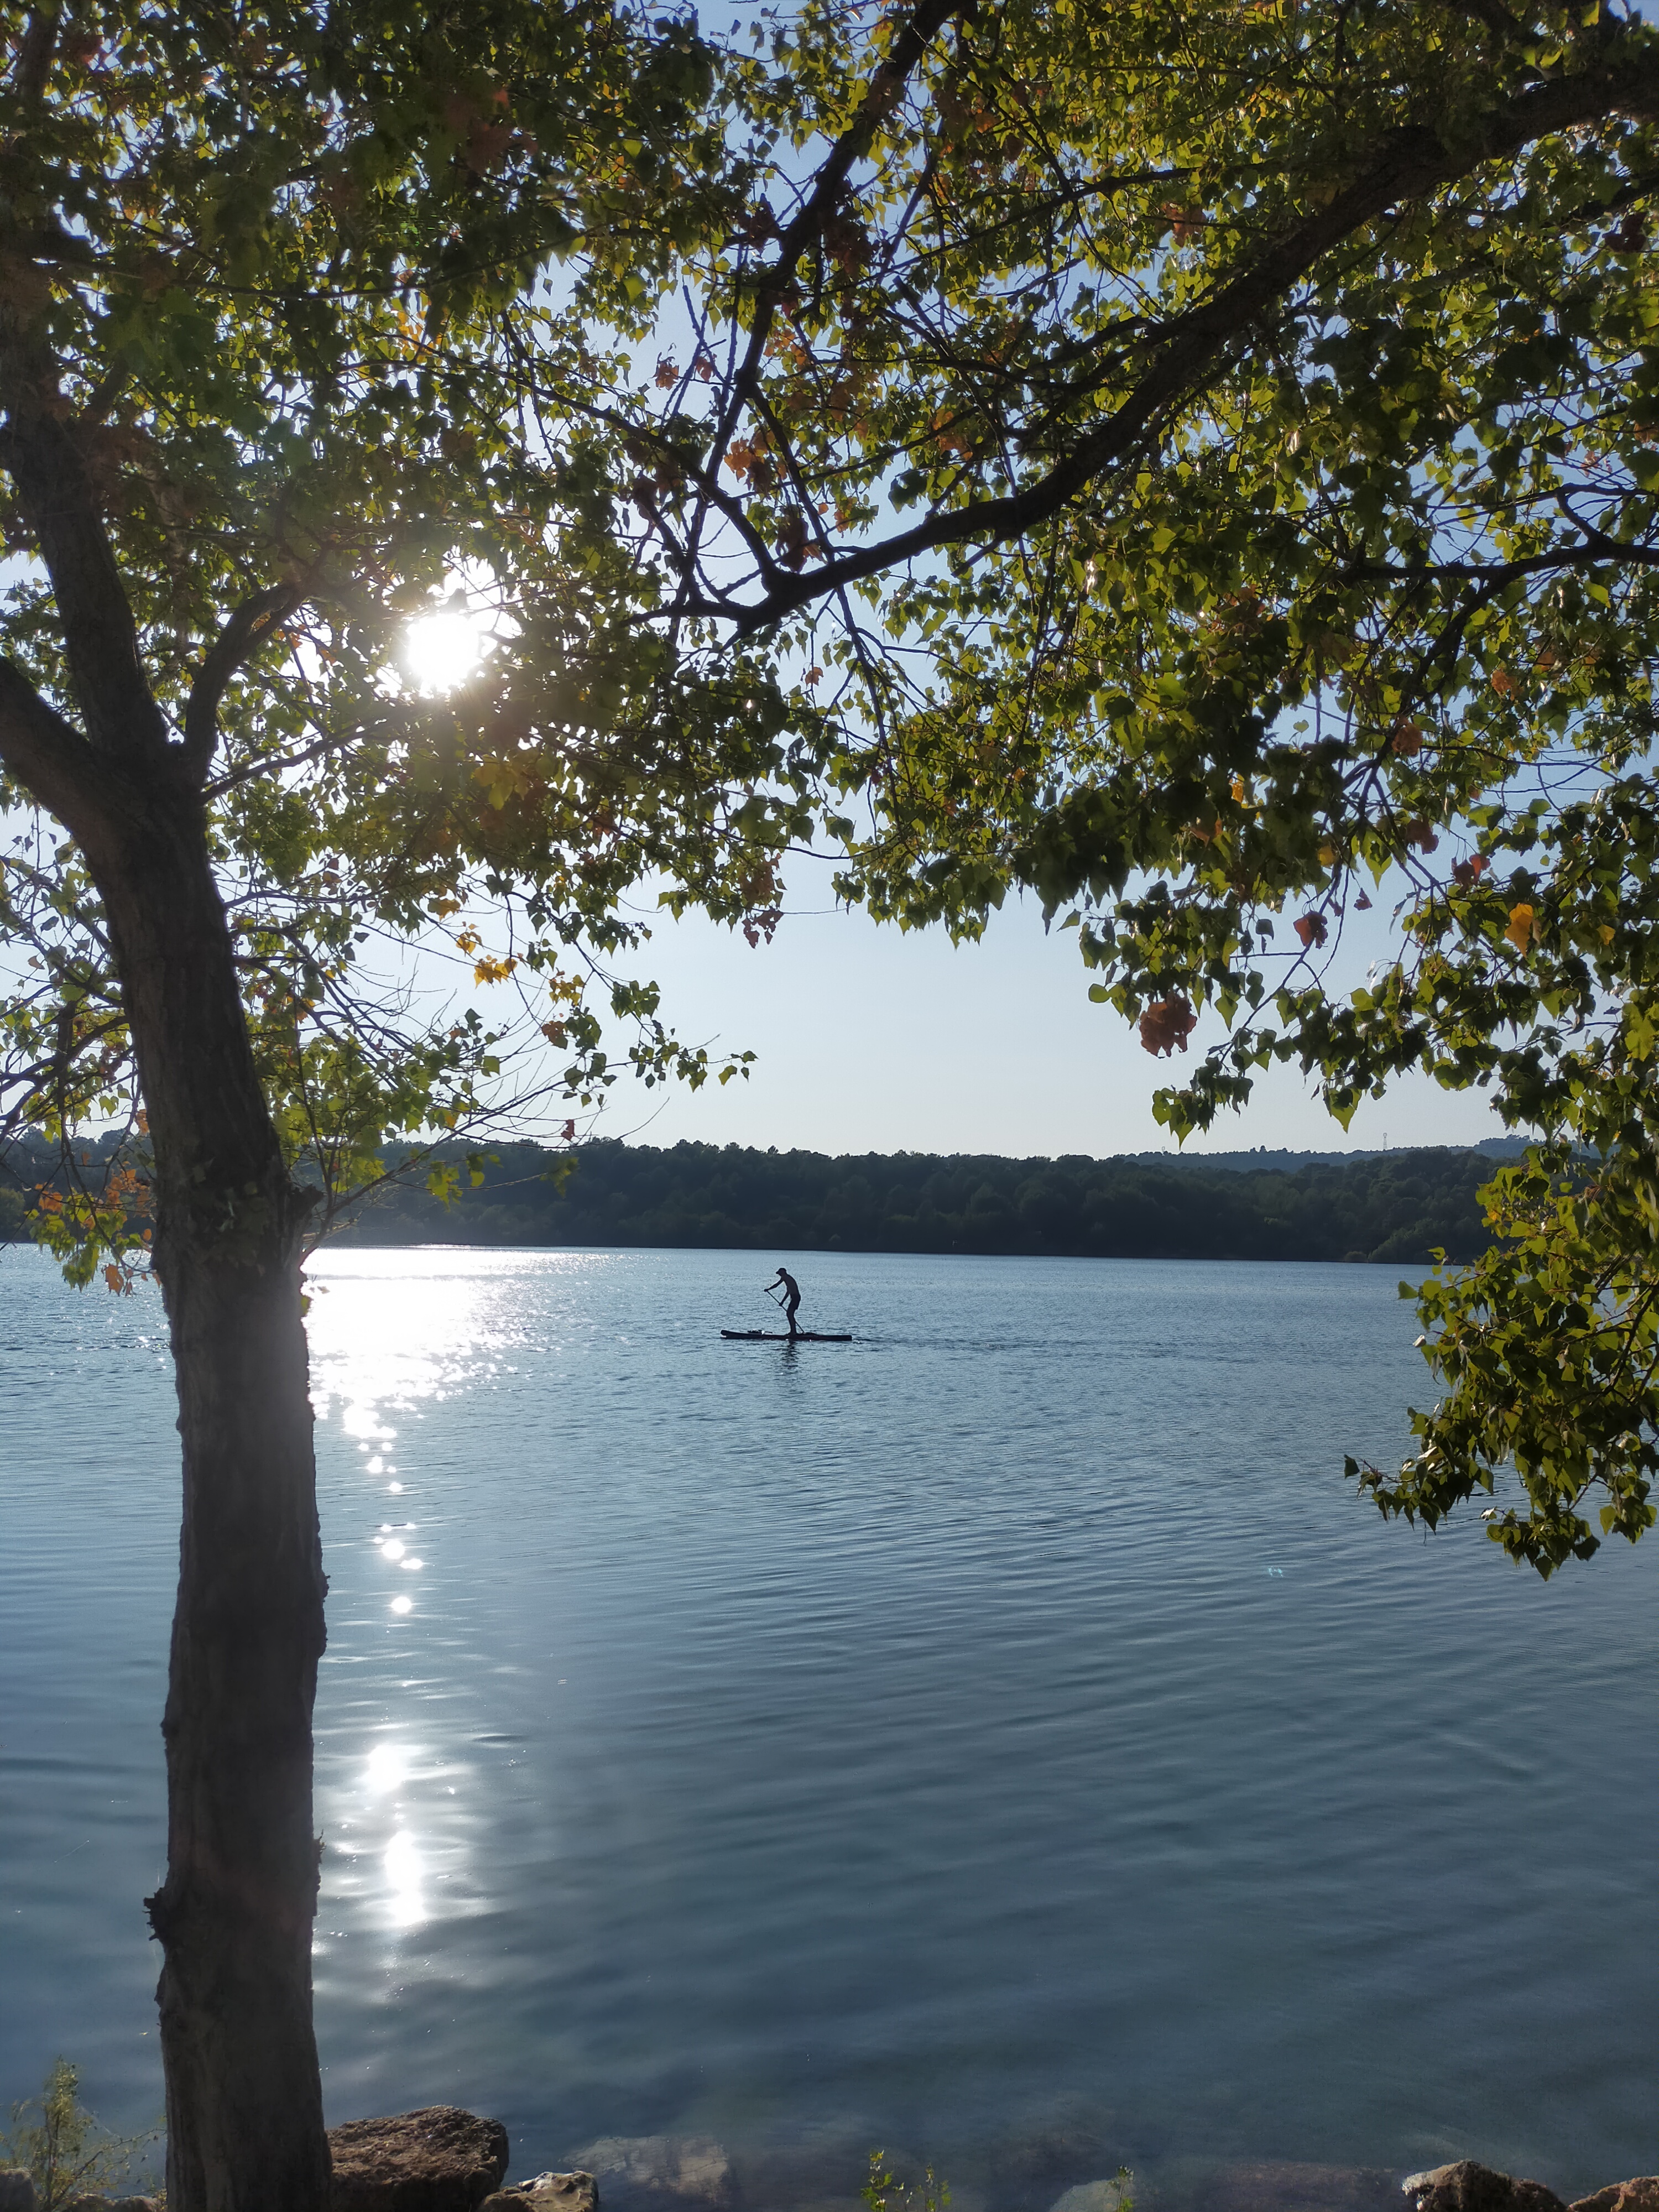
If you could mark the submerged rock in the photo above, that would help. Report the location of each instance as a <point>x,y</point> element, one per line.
<point>1467,2186</point>
<point>547,2193</point>
<point>1049,2148</point>
<point>438,2160</point>
<point>1094,2195</point>
<point>638,2171</point>
<point>1292,2185</point>
<point>1641,2195</point>
<point>16,2188</point>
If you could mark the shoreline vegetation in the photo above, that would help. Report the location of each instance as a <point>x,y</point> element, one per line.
<point>1385,1208</point>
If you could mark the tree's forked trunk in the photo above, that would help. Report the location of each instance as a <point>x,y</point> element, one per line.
<point>235,1914</point>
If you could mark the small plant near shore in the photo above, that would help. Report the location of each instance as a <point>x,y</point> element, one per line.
<point>885,2192</point>
<point>67,2151</point>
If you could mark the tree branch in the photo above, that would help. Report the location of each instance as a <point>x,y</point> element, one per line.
<point>245,632</point>
<point>1496,17</point>
<point>50,757</point>
<point>101,638</point>
<point>815,210</point>
<point>34,51</point>
<point>1600,552</point>
<point>41,448</point>
<point>1407,164</point>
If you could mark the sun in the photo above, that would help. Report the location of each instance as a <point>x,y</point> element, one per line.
<point>442,650</point>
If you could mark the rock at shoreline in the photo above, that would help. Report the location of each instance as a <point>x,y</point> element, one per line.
<point>1467,2186</point>
<point>439,2160</point>
<point>1094,2197</point>
<point>16,2188</point>
<point>547,2193</point>
<point>641,2173</point>
<point>1641,2195</point>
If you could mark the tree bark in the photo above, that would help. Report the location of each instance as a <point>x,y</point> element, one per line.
<point>234,1915</point>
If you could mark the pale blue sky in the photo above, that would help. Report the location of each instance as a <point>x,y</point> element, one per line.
<point>871,1040</point>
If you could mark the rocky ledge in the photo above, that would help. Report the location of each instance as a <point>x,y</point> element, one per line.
<point>1464,2186</point>
<point>438,2160</point>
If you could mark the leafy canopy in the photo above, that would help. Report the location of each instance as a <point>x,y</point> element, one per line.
<point>273,281</point>
<point>1196,465</point>
<point>1214,453</point>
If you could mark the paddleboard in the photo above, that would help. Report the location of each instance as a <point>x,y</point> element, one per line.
<point>780,1336</point>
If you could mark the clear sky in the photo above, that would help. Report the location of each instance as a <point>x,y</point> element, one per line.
<point>873,1041</point>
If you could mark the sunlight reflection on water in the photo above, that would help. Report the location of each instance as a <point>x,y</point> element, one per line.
<point>1001,1729</point>
<point>565,1443</point>
<point>389,1344</point>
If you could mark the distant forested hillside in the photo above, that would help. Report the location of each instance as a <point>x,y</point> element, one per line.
<point>1394,1207</point>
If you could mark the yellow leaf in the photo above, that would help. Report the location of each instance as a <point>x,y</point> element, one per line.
<point>1523,927</point>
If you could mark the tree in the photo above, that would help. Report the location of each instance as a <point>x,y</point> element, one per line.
<point>1194,466</point>
<point>267,278</point>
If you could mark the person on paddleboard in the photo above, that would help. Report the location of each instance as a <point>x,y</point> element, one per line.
<point>791,1296</point>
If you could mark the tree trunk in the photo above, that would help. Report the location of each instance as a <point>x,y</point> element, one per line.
<point>245,2113</point>
<point>244,2099</point>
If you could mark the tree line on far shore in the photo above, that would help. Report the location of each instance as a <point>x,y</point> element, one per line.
<point>1395,1208</point>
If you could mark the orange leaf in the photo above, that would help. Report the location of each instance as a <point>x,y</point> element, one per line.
<point>1183,221</point>
<point>1167,1023</point>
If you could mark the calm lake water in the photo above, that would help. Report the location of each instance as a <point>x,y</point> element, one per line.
<point>1004,1738</point>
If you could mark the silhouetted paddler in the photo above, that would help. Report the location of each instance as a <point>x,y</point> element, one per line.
<point>791,1296</point>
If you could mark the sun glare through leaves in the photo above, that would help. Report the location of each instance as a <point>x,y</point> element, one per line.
<point>441,651</point>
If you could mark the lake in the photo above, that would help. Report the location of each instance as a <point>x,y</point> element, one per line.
<point>1003,1739</point>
